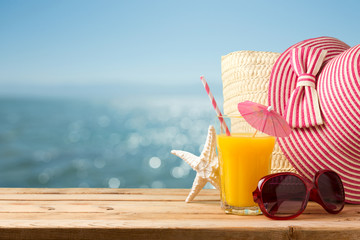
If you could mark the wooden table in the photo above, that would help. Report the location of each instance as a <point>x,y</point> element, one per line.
<point>154,214</point>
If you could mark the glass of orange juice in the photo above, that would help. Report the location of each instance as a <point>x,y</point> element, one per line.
<point>244,158</point>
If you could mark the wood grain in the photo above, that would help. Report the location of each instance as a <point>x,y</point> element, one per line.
<point>154,214</point>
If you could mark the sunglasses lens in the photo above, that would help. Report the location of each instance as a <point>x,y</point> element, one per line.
<point>331,190</point>
<point>283,195</point>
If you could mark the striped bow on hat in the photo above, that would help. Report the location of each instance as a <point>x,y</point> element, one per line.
<point>303,109</point>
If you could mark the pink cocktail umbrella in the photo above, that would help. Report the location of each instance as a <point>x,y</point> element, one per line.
<point>264,119</point>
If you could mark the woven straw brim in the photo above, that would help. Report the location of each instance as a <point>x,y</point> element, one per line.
<point>245,76</point>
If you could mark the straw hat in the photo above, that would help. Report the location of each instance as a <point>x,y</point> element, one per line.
<point>245,76</point>
<point>315,85</point>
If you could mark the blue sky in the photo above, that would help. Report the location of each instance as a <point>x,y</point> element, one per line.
<point>81,44</point>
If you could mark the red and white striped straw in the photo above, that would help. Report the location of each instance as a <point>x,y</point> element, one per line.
<point>212,99</point>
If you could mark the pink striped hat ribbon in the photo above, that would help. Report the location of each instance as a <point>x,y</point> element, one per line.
<point>303,108</point>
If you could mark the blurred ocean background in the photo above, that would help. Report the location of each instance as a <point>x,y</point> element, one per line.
<point>97,93</point>
<point>100,142</point>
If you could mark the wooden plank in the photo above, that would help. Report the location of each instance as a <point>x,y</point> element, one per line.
<point>141,234</point>
<point>151,207</point>
<point>184,219</point>
<point>101,197</point>
<point>98,197</point>
<point>106,206</point>
<point>132,230</point>
<point>154,214</point>
<point>109,195</point>
<point>132,191</point>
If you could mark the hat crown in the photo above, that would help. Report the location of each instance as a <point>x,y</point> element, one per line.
<point>339,84</point>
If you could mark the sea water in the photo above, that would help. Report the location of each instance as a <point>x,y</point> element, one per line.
<point>126,143</point>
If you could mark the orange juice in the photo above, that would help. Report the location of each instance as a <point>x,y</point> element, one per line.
<point>243,161</point>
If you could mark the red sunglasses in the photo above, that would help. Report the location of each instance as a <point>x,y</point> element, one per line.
<point>283,196</point>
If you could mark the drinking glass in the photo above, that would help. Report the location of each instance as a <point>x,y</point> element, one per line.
<point>244,158</point>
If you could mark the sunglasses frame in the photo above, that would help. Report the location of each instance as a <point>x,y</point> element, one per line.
<point>312,193</point>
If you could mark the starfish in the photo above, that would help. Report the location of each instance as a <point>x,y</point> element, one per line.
<point>206,165</point>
